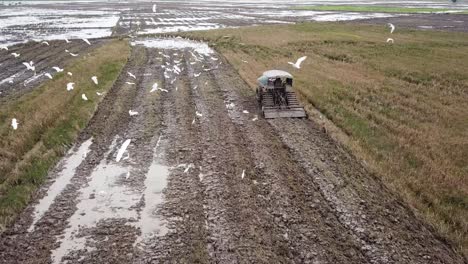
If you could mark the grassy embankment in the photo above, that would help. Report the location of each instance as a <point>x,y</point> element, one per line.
<point>402,106</point>
<point>378,9</point>
<point>50,118</point>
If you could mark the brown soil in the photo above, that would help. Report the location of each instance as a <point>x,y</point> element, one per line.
<point>303,198</point>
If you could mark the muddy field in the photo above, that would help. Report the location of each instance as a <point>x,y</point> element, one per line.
<point>198,176</point>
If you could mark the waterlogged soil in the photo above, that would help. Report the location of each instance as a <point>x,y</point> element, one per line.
<point>440,22</point>
<point>205,179</point>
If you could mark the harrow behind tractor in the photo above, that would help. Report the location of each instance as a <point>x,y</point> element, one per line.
<point>276,97</point>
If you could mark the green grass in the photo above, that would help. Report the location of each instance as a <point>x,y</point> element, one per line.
<point>403,106</point>
<point>50,119</point>
<point>379,9</point>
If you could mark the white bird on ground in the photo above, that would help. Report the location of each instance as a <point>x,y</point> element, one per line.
<point>57,69</point>
<point>131,75</point>
<point>390,40</point>
<point>95,80</point>
<point>392,27</point>
<point>69,73</point>
<point>70,86</point>
<point>14,123</point>
<point>122,150</point>
<point>67,41</point>
<point>48,75</point>
<point>98,93</point>
<point>245,112</point>
<point>188,168</point>
<point>87,41</point>
<point>16,55</point>
<point>154,8</point>
<point>132,113</point>
<point>130,83</point>
<point>298,63</point>
<point>73,54</point>
<point>198,114</point>
<point>4,48</point>
<point>196,75</point>
<point>29,66</point>
<point>45,42</point>
<point>243,174</point>
<point>83,96</point>
<point>154,88</point>
<point>255,118</point>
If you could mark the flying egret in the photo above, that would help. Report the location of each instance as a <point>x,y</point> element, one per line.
<point>70,86</point>
<point>16,55</point>
<point>390,40</point>
<point>298,63</point>
<point>83,96</point>
<point>196,75</point>
<point>122,150</point>
<point>4,48</point>
<point>131,75</point>
<point>392,27</point>
<point>132,113</point>
<point>87,41</point>
<point>14,123</point>
<point>57,69</point>
<point>29,66</point>
<point>95,80</point>
<point>154,8</point>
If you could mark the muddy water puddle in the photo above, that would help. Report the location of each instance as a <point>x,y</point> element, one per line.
<point>75,157</point>
<point>150,223</point>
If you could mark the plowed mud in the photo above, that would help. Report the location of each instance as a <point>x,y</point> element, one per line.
<point>206,180</point>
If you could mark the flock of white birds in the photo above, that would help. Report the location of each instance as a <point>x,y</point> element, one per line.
<point>175,69</point>
<point>30,66</point>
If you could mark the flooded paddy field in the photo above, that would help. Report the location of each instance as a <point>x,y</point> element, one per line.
<point>46,20</point>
